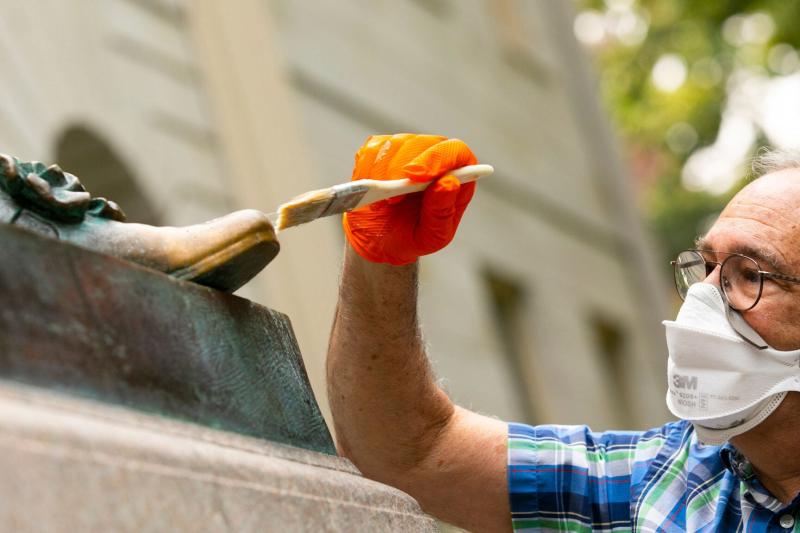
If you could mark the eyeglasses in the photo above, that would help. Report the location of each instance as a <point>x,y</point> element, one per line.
<point>741,278</point>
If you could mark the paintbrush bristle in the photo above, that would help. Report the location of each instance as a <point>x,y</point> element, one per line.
<point>320,203</point>
<point>304,208</point>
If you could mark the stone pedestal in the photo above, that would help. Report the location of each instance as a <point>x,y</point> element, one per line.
<point>133,402</point>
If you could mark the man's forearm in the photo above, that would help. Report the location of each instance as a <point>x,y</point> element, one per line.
<point>387,409</point>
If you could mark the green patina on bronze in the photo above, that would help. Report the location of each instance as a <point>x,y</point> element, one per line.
<point>104,328</point>
<point>51,192</point>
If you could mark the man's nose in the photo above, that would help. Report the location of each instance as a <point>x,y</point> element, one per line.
<point>713,278</point>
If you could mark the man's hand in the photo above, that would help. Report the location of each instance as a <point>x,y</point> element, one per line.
<point>391,418</point>
<point>400,230</point>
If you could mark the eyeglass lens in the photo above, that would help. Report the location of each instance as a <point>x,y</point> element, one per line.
<point>739,277</point>
<point>740,281</point>
<point>690,268</point>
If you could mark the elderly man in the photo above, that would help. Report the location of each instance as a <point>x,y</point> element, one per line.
<point>730,464</point>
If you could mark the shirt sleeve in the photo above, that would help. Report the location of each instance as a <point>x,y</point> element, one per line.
<point>570,478</point>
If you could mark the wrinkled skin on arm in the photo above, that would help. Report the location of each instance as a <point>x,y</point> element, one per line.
<point>390,417</point>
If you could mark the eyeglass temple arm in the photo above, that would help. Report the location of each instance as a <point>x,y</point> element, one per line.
<point>733,318</point>
<point>782,277</point>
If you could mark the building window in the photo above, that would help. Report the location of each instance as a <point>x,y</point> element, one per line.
<point>611,345</point>
<point>83,153</point>
<point>508,302</point>
<point>519,41</point>
<point>437,8</point>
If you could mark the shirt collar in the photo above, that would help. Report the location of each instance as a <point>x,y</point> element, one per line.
<point>736,463</point>
<point>741,467</point>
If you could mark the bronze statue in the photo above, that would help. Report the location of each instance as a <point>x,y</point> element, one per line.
<point>223,253</point>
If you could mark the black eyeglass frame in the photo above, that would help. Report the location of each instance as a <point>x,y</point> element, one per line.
<point>761,274</point>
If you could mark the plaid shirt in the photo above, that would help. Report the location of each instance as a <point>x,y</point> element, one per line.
<point>567,478</point>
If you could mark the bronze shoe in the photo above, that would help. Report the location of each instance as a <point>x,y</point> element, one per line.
<point>224,253</point>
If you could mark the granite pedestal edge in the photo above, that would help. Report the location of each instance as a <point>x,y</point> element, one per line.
<point>75,465</point>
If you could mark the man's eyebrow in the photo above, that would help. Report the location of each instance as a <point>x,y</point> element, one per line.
<point>761,255</point>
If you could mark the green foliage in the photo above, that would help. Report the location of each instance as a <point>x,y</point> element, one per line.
<point>643,114</point>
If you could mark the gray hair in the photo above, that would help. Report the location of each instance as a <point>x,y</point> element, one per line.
<point>772,160</point>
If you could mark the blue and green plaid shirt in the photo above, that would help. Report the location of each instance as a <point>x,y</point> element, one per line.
<point>567,478</point>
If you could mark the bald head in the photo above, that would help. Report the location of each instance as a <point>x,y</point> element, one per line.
<point>779,187</point>
<point>766,214</point>
<point>773,199</point>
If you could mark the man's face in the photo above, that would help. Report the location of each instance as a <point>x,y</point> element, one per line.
<point>763,222</point>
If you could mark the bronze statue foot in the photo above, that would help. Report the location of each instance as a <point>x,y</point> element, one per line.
<point>224,253</point>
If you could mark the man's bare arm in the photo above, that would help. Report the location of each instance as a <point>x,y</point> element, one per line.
<point>391,418</point>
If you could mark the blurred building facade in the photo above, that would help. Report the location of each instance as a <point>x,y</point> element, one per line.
<point>545,308</point>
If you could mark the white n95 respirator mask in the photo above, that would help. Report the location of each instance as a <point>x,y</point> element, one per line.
<point>717,380</point>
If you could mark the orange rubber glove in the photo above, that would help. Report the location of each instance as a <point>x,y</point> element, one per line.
<point>399,230</point>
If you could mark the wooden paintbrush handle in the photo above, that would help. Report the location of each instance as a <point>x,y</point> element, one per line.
<point>383,190</point>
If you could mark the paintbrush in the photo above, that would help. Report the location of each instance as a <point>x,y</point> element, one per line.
<point>359,193</point>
